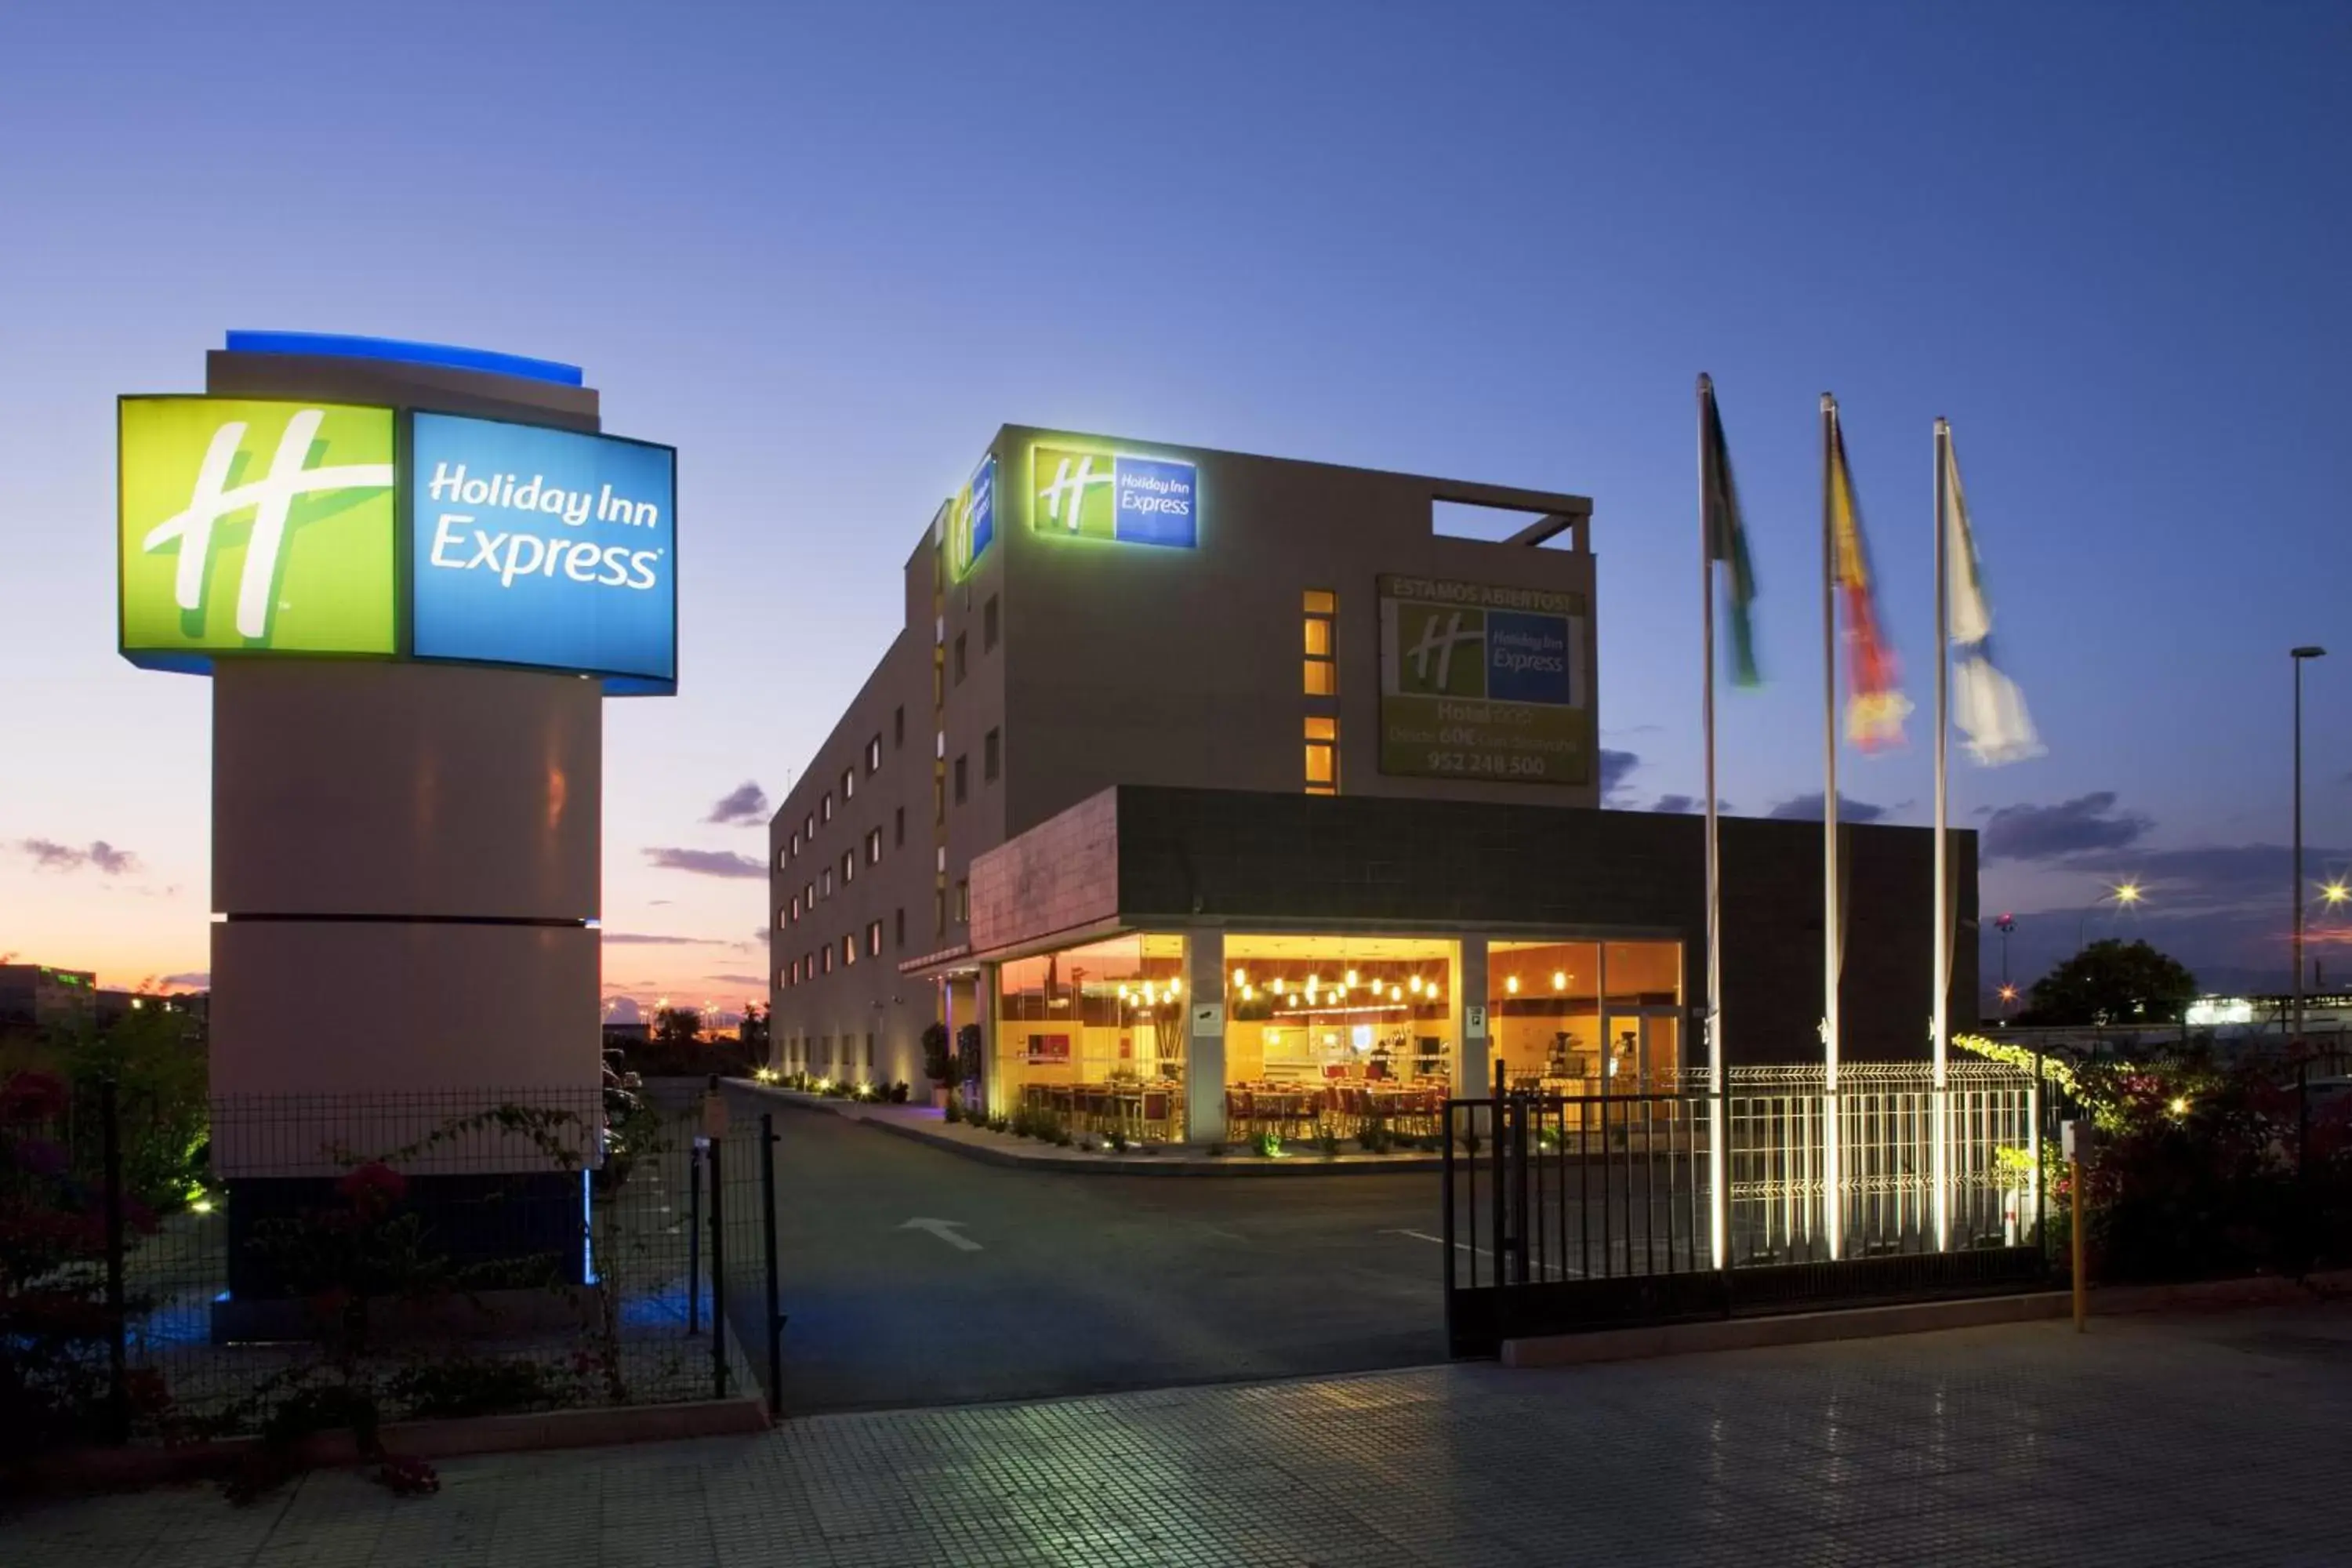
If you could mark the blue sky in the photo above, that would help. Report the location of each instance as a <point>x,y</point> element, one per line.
<point>826,251</point>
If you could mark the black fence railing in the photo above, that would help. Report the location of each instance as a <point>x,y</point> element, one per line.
<point>1575,1211</point>
<point>411,1256</point>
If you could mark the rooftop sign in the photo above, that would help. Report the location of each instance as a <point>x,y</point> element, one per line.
<point>1114,495</point>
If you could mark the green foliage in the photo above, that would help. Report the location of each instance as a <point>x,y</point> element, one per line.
<point>1327,1139</point>
<point>954,1109</point>
<point>1376,1137</point>
<point>1268,1145</point>
<point>2112,982</point>
<point>938,1062</point>
<point>678,1026</point>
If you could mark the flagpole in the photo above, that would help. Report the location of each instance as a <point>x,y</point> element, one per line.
<point>1718,1195</point>
<point>1833,1215</point>
<point>1943,972</point>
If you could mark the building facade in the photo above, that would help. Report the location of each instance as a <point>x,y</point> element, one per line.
<point>1361,751</point>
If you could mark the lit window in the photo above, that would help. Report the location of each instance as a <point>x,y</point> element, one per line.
<point>848,782</point>
<point>1322,754</point>
<point>793,911</point>
<point>848,950</point>
<point>825,806</point>
<point>828,960</point>
<point>825,884</point>
<point>848,866</point>
<point>783,857</point>
<point>874,847</point>
<point>1320,672</point>
<point>786,976</point>
<point>874,939</point>
<point>874,756</point>
<point>810,833</point>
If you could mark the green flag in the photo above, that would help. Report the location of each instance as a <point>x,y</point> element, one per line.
<point>1727,540</point>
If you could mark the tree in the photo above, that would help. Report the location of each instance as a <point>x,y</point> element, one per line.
<point>938,1061</point>
<point>678,1026</point>
<point>2113,981</point>
<point>753,1031</point>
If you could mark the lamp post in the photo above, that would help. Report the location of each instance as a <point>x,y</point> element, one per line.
<point>2005,924</point>
<point>2296,656</point>
<point>2126,895</point>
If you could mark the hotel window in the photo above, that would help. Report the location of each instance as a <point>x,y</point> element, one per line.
<point>848,950</point>
<point>1322,755</point>
<point>900,938</point>
<point>897,727</point>
<point>792,912</point>
<point>874,939</point>
<point>869,1052</point>
<point>988,624</point>
<point>783,857</point>
<point>940,908</point>
<point>848,866</point>
<point>939,798</point>
<point>874,847</point>
<point>964,775</point>
<point>963,903</point>
<point>824,885</point>
<point>898,828</point>
<point>961,663</point>
<point>848,782</point>
<point>874,756</point>
<point>825,806</point>
<point>1322,678</point>
<point>810,833</point>
<point>991,750</point>
<point>784,977</point>
<point>808,897</point>
<point>829,958</point>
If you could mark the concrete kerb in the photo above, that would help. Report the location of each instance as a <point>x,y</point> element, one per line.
<point>1912,1318</point>
<point>1001,1150</point>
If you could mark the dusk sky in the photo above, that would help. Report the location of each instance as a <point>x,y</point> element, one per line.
<point>828,251</point>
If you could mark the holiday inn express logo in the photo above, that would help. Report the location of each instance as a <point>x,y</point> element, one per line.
<point>1442,650</point>
<point>255,525</point>
<point>1106,495</point>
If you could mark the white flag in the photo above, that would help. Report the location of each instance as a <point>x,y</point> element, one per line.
<point>1988,705</point>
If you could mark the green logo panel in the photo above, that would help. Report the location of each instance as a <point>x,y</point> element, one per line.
<point>1073,492</point>
<point>256,526</point>
<point>1441,650</point>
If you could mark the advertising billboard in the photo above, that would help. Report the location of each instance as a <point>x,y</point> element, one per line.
<point>972,519</point>
<point>253,526</point>
<point>1115,496</point>
<point>543,547</point>
<point>1484,682</point>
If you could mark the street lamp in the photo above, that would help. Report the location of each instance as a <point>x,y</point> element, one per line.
<point>2296,656</point>
<point>2006,924</point>
<point>2126,895</point>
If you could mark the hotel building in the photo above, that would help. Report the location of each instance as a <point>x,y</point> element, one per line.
<point>1204,781</point>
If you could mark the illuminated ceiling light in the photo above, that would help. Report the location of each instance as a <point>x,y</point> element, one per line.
<point>1240,977</point>
<point>1512,986</point>
<point>1312,982</point>
<point>1249,993</point>
<point>1415,984</point>
<point>1432,992</point>
<point>1175,986</point>
<point>1396,993</point>
<point>1559,979</point>
<point>1350,978</point>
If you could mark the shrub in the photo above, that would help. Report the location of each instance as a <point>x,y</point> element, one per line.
<point>1117,1140</point>
<point>1216,1150</point>
<point>1268,1145</point>
<point>1376,1137</point>
<point>955,1109</point>
<point>1328,1140</point>
<point>938,1062</point>
<point>898,1092</point>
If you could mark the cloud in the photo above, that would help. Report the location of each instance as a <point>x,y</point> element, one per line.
<point>1686,803</point>
<point>1616,767</point>
<point>745,805</point>
<point>192,980</point>
<point>761,935</point>
<point>751,980</point>
<point>1808,808</point>
<point>1634,730</point>
<point>2084,823</point>
<point>647,939</point>
<point>49,855</point>
<point>657,903</point>
<point>706,862</point>
<point>623,1010</point>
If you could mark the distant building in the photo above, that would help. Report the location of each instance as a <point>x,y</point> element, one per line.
<point>38,995</point>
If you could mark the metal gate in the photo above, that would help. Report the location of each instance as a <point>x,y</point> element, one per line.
<point>1572,1210</point>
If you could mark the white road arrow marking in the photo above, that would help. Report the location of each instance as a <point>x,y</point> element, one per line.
<point>947,1230</point>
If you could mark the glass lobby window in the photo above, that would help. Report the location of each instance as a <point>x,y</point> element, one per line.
<point>1322,669</point>
<point>1322,754</point>
<point>1094,1035</point>
<point>1586,1018</point>
<point>1315,1012</point>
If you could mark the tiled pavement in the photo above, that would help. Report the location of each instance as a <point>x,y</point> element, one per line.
<point>2218,1438</point>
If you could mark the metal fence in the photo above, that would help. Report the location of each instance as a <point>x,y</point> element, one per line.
<point>1566,1211</point>
<point>416,1255</point>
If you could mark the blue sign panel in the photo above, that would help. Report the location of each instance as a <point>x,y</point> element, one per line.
<point>541,547</point>
<point>1527,658</point>
<point>1155,501</point>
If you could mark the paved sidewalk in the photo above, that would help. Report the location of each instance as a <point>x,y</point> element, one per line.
<point>2180,1441</point>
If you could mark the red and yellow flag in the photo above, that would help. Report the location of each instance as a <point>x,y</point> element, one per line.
<point>1874,705</point>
